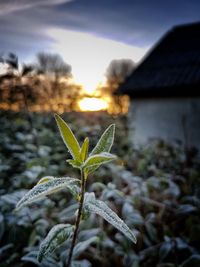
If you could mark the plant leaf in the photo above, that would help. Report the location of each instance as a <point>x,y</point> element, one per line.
<point>93,162</point>
<point>105,142</point>
<point>82,246</point>
<point>45,179</point>
<point>32,257</point>
<point>91,204</point>
<point>84,149</point>
<point>164,250</point>
<point>74,163</point>
<point>81,263</point>
<point>49,187</point>
<point>68,138</point>
<point>57,235</point>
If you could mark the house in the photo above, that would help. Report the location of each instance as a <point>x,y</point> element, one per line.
<point>165,90</point>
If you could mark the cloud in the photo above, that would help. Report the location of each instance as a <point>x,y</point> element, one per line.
<point>10,6</point>
<point>138,22</point>
<point>23,29</point>
<point>22,34</point>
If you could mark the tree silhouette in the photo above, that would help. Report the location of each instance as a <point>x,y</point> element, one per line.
<point>118,70</point>
<point>52,64</point>
<point>16,86</point>
<point>53,67</point>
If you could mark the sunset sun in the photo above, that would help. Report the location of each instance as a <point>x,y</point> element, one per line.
<point>93,104</point>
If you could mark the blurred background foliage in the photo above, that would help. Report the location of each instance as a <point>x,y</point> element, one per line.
<point>47,84</point>
<point>155,189</point>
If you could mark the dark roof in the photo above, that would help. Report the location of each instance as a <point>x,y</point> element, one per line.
<point>172,68</point>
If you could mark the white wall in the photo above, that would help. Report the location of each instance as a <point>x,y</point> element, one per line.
<point>164,118</point>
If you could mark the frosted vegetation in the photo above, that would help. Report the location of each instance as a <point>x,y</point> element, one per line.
<point>154,190</point>
<point>87,164</point>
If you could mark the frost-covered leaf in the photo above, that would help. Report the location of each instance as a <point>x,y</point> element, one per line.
<point>82,246</point>
<point>105,142</point>
<point>86,234</point>
<point>131,215</point>
<point>165,249</point>
<point>82,263</point>
<point>84,149</point>
<point>14,197</point>
<point>68,138</point>
<point>68,213</point>
<point>74,163</point>
<point>181,244</point>
<point>99,159</point>
<point>32,257</point>
<point>186,209</point>
<point>93,162</point>
<point>91,204</point>
<point>49,187</point>
<point>57,235</point>
<point>45,179</point>
<point>152,231</point>
<point>33,172</point>
<point>6,249</point>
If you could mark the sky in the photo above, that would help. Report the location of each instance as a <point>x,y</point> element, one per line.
<point>88,34</point>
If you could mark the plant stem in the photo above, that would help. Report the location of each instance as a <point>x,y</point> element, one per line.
<point>78,219</point>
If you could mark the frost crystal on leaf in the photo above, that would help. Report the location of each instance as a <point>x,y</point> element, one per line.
<point>57,235</point>
<point>93,162</point>
<point>49,187</point>
<point>105,142</point>
<point>91,204</point>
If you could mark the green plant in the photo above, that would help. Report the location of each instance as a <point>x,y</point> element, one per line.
<point>88,203</point>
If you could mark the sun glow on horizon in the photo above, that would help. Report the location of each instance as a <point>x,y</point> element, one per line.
<point>93,104</point>
<point>90,55</point>
<point>89,86</point>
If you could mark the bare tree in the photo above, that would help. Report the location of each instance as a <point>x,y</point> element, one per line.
<point>12,88</point>
<point>118,70</point>
<point>54,68</point>
<point>22,87</point>
<point>116,73</point>
<point>52,64</point>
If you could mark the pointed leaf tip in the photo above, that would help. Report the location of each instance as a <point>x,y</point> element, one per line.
<point>44,188</point>
<point>93,205</point>
<point>45,179</point>
<point>105,142</point>
<point>84,149</point>
<point>68,137</point>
